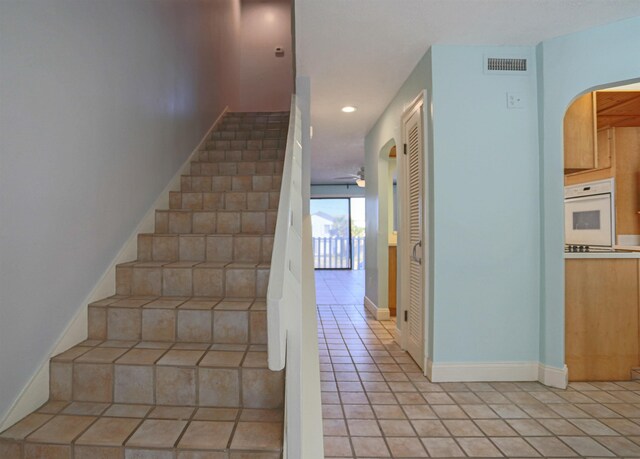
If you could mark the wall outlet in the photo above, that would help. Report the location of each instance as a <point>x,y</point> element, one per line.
<point>515,100</point>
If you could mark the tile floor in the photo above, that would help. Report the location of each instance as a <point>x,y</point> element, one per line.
<point>376,403</point>
<point>339,286</point>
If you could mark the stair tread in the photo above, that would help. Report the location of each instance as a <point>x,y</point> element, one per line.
<point>194,264</point>
<point>182,302</point>
<point>160,353</point>
<point>134,426</point>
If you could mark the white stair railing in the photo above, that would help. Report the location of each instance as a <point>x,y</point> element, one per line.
<point>284,293</point>
<point>291,307</point>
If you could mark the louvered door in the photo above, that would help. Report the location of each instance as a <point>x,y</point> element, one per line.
<point>414,326</point>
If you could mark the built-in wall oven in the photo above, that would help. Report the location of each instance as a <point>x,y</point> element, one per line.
<point>589,216</point>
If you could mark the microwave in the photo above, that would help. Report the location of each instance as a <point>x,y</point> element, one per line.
<point>589,214</point>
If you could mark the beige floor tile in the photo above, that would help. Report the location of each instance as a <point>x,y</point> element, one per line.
<point>62,429</point>
<point>442,447</point>
<point>479,447</point>
<point>370,447</point>
<point>155,433</point>
<point>206,435</point>
<point>406,447</point>
<point>551,447</point>
<point>337,446</point>
<point>26,426</point>
<point>108,432</point>
<point>514,447</point>
<point>397,428</point>
<point>586,446</point>
<point>363,428</point>
<point>258,436</point>
<point>334,427</point>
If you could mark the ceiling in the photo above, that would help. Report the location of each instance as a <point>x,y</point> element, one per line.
<point>359,52</point>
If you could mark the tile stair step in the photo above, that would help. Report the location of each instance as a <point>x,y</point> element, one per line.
<point>180,377</point>
<point>249,134</point>
<point>189,374</point>
<point>206,183</point>
<point>179,319</point>
<point>246,144</point>
<point>237,168</point>
<point>215,221</point>
<point>273,154</point>
<point>225,200</point>
<point>86,430</point>
<point>187,278</point>
<point>217,248</point>
<point>245,126</point>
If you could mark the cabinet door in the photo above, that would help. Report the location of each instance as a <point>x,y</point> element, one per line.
<point>579,135</point>
<point>601,318</point>
<point>604,148</point>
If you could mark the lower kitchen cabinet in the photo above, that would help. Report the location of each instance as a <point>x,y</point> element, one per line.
<point>601,318</point>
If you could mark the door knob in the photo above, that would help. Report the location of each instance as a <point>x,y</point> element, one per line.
<point>414,256</point>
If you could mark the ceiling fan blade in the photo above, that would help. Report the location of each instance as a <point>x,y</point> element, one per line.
<point>347,177</point>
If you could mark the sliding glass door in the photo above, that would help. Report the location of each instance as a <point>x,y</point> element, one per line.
<point>331,227</point>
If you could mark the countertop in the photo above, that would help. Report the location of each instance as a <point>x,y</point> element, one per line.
<point>572,255</point>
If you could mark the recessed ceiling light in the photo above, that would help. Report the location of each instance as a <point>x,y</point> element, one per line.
<point>349,109</point>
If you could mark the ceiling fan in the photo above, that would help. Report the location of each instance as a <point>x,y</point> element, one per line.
<point>358,177</point>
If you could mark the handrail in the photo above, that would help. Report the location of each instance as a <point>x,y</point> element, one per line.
<point>284,292</point>
<point>291,310</point>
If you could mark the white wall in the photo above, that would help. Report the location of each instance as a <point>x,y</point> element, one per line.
<point>101,102</point>
<point>266,81</point>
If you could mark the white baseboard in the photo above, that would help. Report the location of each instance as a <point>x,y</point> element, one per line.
<point>497,371</point>
<point>482,371</point>
<point>378,313</point>
<point>553,376</point>
<point>36,391</point>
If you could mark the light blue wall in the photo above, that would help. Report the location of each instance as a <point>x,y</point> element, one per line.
<point>569,66</point>
<point>386,132</point>
<point>486,209</point>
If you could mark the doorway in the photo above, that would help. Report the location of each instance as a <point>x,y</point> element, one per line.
<point>338,233</point>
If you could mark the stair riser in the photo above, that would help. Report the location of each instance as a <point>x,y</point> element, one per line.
<point>209,222</point>
<point>223,184</point>
<point>214,248</point>
<point>196,281</point>
<point>245,144</point>
<point>166,385</point>
<point>237,168</point>
<point>178,325</point>
<point>241,155</point>
<point>232,200</point>
<point>249,135</point>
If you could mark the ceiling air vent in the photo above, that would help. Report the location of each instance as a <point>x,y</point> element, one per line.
<point>506,65</point>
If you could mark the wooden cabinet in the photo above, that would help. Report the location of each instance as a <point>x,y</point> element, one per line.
<point>601,318</point>
<point>604,147</point>
<point>626,142</point>
<point>393,269</point>
<point>580,147</point>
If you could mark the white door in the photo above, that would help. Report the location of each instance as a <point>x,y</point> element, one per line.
<point>414,310</point>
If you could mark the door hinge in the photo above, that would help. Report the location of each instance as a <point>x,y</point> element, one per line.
<point>405,149</point>
<point>406,316</point>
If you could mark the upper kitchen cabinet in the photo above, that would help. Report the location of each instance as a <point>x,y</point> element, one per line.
<point>589,133</point>
<point>580,152</point>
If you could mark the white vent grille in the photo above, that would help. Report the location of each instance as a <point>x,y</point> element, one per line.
<point>504,64</point>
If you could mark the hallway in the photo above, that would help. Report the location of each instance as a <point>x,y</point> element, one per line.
<point>377,403</point>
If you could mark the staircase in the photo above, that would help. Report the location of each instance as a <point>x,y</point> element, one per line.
<point>175,366</point>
